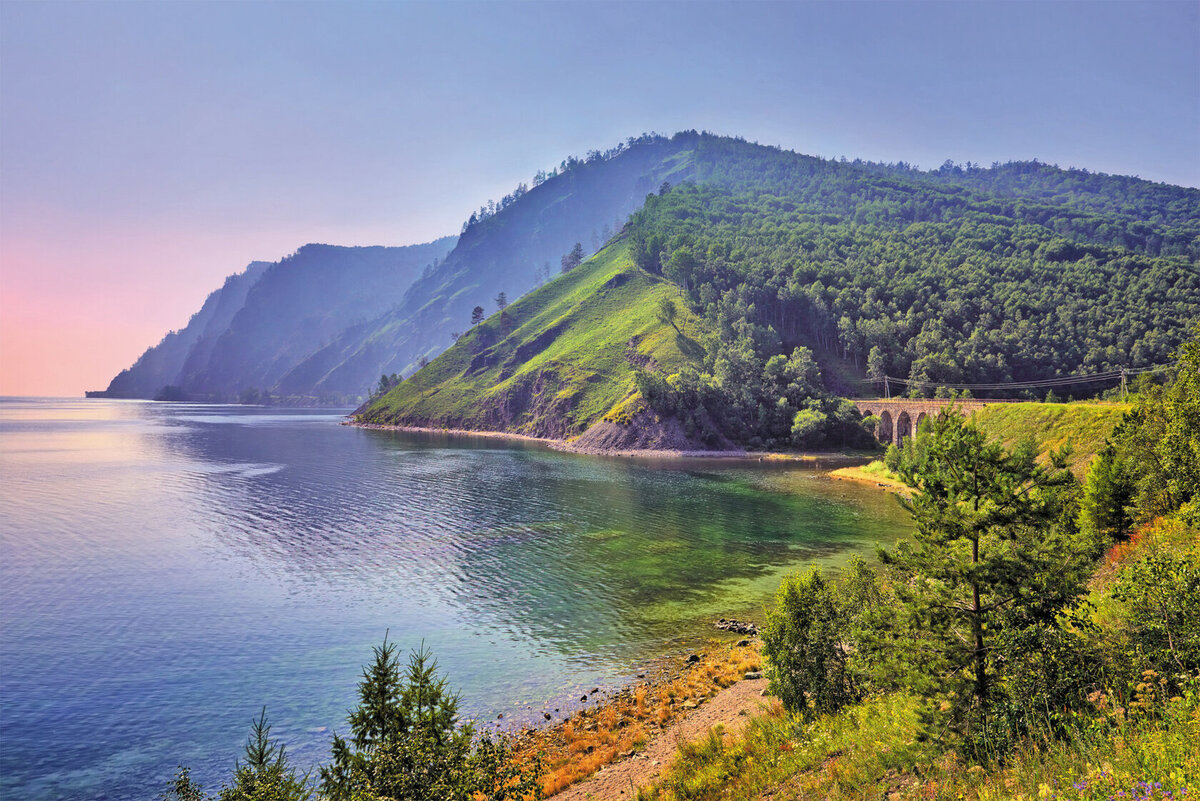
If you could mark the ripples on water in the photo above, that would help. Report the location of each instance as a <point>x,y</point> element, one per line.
<point>169,568</point>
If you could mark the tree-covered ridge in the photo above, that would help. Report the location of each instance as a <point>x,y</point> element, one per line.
<point>975,297</point>
<point>1146,217</point>
<point>810,275</point>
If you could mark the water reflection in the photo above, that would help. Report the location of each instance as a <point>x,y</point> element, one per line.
<point>168,568</point>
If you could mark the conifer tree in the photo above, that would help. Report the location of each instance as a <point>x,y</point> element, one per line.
<point>995,552</point>
<point>406,739</point>
<point>377,718</point>
<point>1107,496</point>
<point>183,788</point>
<point>266,774</point>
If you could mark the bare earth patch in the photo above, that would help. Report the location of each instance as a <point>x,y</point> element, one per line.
<point>730,708</point>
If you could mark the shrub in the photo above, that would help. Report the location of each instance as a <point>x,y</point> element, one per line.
<point>804,642</point>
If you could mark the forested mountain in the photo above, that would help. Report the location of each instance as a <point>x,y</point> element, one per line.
<point>264,321</point>
<point>787,262</point>
<point>961,274</point>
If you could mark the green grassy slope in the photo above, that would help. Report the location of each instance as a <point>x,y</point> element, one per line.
<point>558,360</point>
<point>1084,426</point>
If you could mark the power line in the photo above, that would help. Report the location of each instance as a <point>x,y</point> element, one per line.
<point>1060,381</point>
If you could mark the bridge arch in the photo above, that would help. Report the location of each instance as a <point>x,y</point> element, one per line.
<point>903,427</point>
<point>884,432</point>
<point>921,418</point>
<point>863,414</point>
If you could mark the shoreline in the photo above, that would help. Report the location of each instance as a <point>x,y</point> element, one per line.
<point>632,731</point>
<point>857,475</point>
<point>812,458</point>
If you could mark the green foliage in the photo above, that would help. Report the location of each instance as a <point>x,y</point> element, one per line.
<point>266,774</point>
<point>1161,593</point>
<point>572,259</point>
<point>995,564</point>
<point>386,384</point>
<point>910,277</point>
<point>892,457</point>
<point>182,788</point>
<point>866,751</point>
<point>1160,438</point>
<point>406,743</point>
<point>667,311</point>
<point>1107,496</point>
<point>804,641</point>
<point>1078,702</point>
<point>760,402</point>
<point>405,738</point>
<point>807,426</point>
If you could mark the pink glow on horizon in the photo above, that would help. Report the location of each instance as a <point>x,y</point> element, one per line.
<point>77,309</point>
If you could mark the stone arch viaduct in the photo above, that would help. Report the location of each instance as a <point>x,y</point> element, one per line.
<point>899,418</point>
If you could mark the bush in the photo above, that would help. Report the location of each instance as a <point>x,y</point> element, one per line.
<point>1161,593</point>
<point>804,641</point>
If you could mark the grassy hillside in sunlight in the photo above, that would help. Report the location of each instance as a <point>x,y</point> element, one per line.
<point>554,362</point>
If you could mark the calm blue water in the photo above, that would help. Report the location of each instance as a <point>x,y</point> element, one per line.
<point>167,569</point>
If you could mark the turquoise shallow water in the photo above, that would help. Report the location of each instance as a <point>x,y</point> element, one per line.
<point>167,569</point>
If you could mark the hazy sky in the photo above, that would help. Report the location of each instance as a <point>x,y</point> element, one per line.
<point>147,150</point>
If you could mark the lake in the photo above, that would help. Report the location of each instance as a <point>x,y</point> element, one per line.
<point>168,569</point>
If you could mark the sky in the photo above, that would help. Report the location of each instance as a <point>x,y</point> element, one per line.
<point>148,150</point>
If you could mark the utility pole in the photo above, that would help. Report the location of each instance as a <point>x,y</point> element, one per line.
<point>1124,388</point>
<point>887,393</point>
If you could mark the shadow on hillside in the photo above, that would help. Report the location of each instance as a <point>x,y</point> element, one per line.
<point>688,346</point>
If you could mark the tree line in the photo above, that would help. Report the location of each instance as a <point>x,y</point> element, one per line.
<point>837,266</point>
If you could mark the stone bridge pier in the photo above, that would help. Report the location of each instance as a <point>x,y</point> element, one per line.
<point>900,418</point>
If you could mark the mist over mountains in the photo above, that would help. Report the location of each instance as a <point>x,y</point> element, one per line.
<point>322,325</point>
<point>263,321</point>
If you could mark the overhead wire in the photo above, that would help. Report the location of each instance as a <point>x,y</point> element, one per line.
<point>1058,381</point>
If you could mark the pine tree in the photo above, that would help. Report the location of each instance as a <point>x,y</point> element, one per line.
<point>1107,496</point>
<point>377,718</point>
<point>995,552</point>
<point>406,740</point>
<point>182,788</point>
<point>265,774</point>
<point>573,259</point>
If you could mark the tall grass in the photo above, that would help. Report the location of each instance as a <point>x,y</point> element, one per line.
<point>871,751</point>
